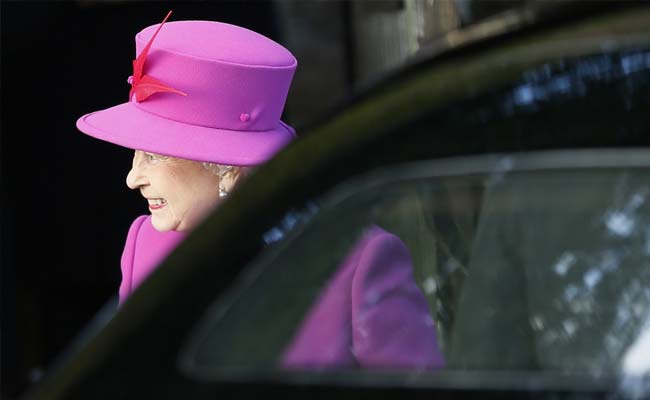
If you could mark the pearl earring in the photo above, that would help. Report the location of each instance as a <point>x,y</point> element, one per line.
<point>223,192</point>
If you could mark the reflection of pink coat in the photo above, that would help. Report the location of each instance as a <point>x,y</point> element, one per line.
<point>145,248</point>
<point>370,314</point>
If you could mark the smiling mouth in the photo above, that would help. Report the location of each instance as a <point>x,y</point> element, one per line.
<point>156,204</point>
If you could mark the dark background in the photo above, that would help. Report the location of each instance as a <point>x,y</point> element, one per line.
<point>65,205</point>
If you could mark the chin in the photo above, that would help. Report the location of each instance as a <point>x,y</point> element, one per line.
<point>162,225</point>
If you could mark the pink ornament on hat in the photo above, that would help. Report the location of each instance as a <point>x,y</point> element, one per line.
<point>143,85</point>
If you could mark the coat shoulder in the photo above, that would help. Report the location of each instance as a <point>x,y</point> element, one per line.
<point>128,255</point>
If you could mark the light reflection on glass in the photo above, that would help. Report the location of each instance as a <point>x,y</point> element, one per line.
<point>560,79</point>
<point>564,263</point>
<point>636,360</point>
<point>570,327</point>
<point>609,260</point>
<point>592,277</point>
<point>429,286</point>
<point>537,323</point>
<point>290,221</point>
<point>570,293</point>
<point>602,310</point>
<point>619,223</point>
<point>576,247</point>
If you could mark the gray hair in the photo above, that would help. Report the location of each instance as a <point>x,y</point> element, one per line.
<point>223,171</point>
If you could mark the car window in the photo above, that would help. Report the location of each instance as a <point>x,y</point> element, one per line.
<point>538,262</point>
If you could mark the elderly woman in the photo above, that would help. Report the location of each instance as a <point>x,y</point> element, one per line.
<point>205,102</point>
<point>204,105</point>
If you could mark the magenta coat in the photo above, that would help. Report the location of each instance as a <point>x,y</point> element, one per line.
<point>145,248</point>
<point>371,314</point>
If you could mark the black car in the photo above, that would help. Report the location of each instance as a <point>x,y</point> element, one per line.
<point>513,162</point>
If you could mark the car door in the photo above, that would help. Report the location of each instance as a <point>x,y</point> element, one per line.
<point>578,85</point>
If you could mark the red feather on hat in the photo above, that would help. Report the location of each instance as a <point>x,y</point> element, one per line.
<point>143,85</point>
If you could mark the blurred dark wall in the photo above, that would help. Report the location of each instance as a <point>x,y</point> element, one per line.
<point>65,206</point>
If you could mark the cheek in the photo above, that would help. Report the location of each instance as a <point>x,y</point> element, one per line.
<point>197,193</point>
<point>206,189</point>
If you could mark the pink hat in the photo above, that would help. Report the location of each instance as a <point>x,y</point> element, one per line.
<point>204,91</point>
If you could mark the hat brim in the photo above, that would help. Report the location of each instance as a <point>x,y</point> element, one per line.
<point>127,125</point>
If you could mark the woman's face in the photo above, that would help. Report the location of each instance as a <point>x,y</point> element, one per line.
<point>179,192</point>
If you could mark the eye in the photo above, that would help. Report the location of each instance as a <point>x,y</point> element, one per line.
<point>151,158</point>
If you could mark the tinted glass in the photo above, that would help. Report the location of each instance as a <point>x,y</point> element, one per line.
<point>535,263</point>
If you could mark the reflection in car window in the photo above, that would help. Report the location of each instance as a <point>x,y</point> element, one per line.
<point>560,267</point>
<point>370,314</point>
<point>524,268</point>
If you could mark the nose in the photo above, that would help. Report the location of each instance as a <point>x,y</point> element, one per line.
<point>136,177</point>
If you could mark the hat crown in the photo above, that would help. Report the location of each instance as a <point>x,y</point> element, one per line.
<point>217,41</point>
<point>234,78</point>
